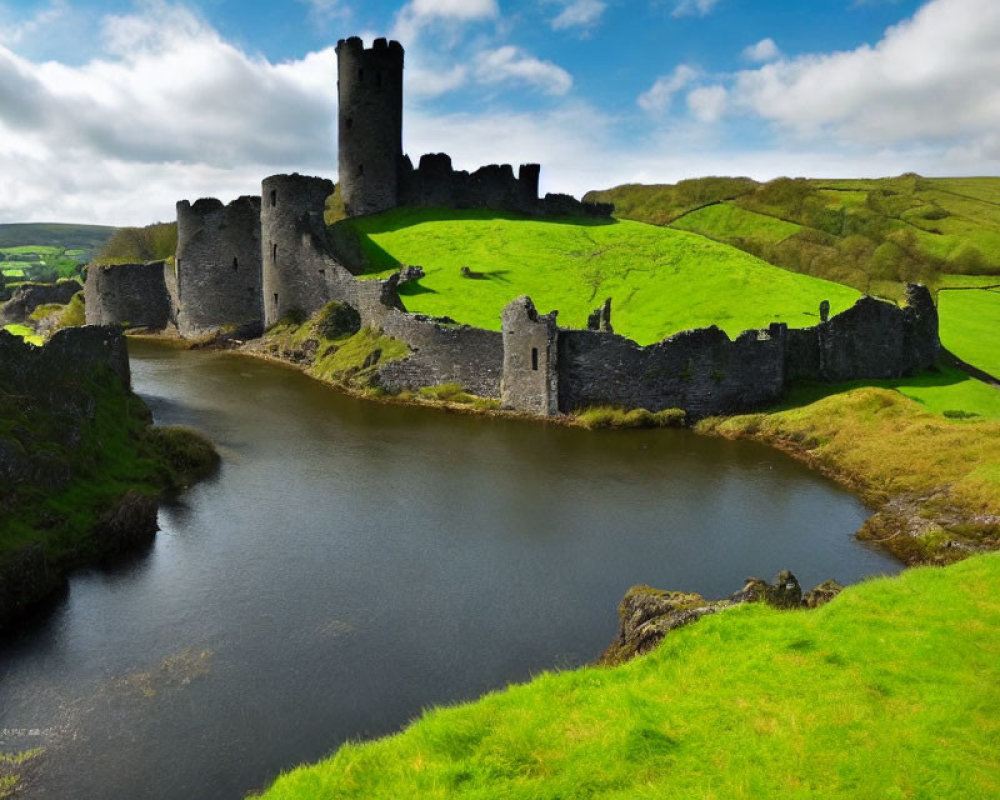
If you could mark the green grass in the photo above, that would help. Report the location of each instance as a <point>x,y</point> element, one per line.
<point>871,234</point>
<point>25,332</point>
<point>970,321</point>
<point>883,445</point>
<point>661,281</point>
<point>114,450</point>
<point>944,390</point>
<point>889,691</point>
<point>32,249</point>
<point>597,417</point>
<point>726,222</point>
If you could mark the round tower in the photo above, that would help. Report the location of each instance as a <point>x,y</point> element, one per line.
<point>294,261</point>
<point>370,124</point>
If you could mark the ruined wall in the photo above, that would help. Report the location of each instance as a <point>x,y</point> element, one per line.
<point>133,295</point>
<point>435,183</point>
<point>26,299</point>
<point>701,371</point>
<point>70,352</point>
<point>217,269</point>
<point>370,124</point>
<point>298,273</point>
<point>872,339</point>
<point>443,351</point>
<point>530,359</point>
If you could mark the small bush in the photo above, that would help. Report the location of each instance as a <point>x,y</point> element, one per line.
<point>446,392</point>
<point>597,417</point>
<point>186,455</point>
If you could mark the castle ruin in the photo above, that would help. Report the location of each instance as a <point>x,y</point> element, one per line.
<point>242,267</point>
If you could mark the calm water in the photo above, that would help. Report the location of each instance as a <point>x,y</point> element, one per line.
<point>353,563</point>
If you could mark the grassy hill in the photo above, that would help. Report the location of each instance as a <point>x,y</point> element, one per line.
<point>870,234</point>
<point>890,691</point>
<point>660,280</point>
<point>54,234</point>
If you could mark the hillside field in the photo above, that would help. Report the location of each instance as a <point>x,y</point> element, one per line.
<point>868,233</point>
<point>970,319</point>
<point>661,281</point>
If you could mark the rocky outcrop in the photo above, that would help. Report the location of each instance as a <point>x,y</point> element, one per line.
<point>58,405</point>
<point>646,615</point>
<point>27,298</point>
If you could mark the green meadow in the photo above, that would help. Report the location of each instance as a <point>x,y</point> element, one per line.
<point>889,691</point>
<point>970,319</point>
<point>872,234</point>
<point>660,281</point>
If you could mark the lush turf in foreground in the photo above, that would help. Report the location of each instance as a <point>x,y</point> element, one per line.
<point>661,281</point>
<point>891,691</point>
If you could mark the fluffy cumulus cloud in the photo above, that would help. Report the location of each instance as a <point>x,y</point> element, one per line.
<point>510,63</point>
<point>581,14</point>
<point>765,50</point>
<point>931,78</point>
<point>168,98</point>
<point>694,8</point>
<point>658,98</point>
<point>707,103</point>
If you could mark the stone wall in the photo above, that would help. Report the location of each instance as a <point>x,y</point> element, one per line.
<point>435,183</point>
<point>442,351</point>
<point>298,273</point>
<point>26,299</point>
<point>133,295</point>
<point>872,339</point>
<point>218,267</point>
<point>701,371</point>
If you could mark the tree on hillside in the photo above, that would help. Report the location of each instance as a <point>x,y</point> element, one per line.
<point>138,245</point>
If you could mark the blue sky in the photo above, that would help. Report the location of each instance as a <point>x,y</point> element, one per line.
<point>112,111</point>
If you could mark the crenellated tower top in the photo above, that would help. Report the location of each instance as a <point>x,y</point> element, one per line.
<point>370,124</point>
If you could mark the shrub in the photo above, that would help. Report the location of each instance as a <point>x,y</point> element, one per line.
<point>597,417</point>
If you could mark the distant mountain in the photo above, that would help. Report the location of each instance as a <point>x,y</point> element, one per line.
<point>55,234</point>
<point>868,233</point>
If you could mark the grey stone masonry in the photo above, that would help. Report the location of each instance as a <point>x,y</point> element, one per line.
<point>26,299</point>
<point>530,359</point>
<point>133,295</point>
<point>217,269</point>
<point>370,124</point>
<point>701,371</point>
<point>298,273</point>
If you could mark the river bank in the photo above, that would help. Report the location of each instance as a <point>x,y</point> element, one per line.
<point>84,469</point>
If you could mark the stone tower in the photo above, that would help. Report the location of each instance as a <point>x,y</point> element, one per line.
<point>217,268</point>
<point>370,124</point>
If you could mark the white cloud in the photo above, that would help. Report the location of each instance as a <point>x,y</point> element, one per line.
<point>931,78</point>
<point>658,97</point>
<point>510,63</point>
<point>579,14</point>
<point>456,9</point>
<point>707,103</point>
<point>694,8</point>
<point>169,99</point>
<point>765,50</point>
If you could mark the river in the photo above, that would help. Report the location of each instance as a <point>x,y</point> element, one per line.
<point>352,563</point>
